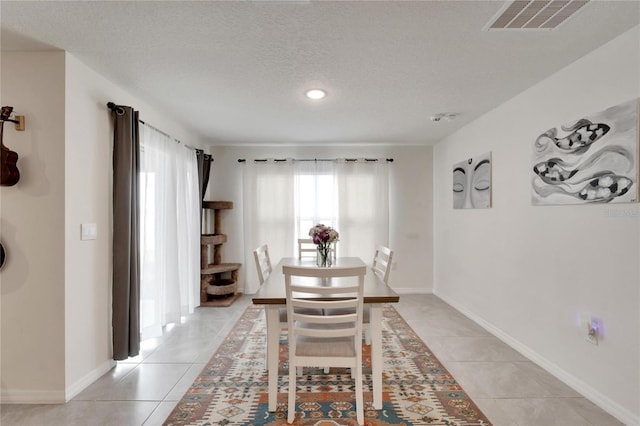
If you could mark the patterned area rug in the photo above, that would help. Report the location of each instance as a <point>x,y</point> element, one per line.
<point>232,388</point>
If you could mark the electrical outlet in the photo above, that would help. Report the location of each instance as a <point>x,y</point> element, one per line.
<point>592,337</point>
<point>591,328</point>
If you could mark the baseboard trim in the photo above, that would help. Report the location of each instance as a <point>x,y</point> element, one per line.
<point>412,290</point>
<point>602,401</point>
<point>87,379</point>
<point>11,396</point>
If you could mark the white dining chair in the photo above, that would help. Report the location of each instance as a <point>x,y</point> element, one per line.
<point>382,263</point>
<point>263,262</point>
<point>263,266</point>
<point>325,340</point>
<point>381,267</point>
<point>306,248</point>
<point>264,269</point>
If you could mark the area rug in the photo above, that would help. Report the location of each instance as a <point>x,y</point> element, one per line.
<point>232,388</point>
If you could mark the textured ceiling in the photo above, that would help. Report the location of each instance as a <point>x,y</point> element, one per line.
<point>235,71</point>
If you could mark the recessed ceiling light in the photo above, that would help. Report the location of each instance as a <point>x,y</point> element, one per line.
<point>315,94</point>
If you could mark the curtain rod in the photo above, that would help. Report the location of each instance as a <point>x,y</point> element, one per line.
<point>167,135</point>
<point>206,157</point>
<point>115,108</point>
<point>280,160</point>
<point>120,111</point>
<point>159,131</point>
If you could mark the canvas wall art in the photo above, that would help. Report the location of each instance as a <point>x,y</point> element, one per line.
<point>472,183</point>
<point>593,159</point>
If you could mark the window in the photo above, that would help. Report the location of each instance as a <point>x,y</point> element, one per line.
<point>169,232</point>
<point>316,201</point>
<point>282,200</point>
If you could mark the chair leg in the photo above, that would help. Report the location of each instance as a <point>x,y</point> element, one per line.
<point>359,396</point>
<point>291,410</point>
<point>367,334</point>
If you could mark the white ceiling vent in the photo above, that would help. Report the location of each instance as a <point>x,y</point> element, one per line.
<point>535,14</point>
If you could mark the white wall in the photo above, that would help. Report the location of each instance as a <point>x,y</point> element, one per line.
<point>410,204</point>
<point>32,212</point>
<point>56,289</point>
<point>527,272</point>
<point>89,144</point>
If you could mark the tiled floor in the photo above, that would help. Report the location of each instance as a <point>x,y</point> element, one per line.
<point>507,387</point>
<point>142,391</point>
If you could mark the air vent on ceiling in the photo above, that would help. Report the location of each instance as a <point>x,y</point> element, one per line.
<point>535,14</point>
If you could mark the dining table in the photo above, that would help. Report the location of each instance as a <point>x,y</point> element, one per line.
<point>272,295</point>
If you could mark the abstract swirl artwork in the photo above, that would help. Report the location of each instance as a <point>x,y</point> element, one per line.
<point>593,159</point>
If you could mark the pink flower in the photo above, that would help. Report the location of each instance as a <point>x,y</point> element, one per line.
<point>322,234</point>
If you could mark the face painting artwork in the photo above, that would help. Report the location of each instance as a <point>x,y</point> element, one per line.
<point>472,183</point>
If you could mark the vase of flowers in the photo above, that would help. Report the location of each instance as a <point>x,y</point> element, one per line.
<point>323,237</point>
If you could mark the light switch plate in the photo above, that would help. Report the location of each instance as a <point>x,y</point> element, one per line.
<point>88,231</point>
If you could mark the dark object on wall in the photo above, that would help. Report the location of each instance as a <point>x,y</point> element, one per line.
<point>9,173</point>
<point>3,255</point>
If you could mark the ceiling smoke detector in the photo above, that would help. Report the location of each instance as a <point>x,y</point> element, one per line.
<point>446,116</point>
<point>535,14</point>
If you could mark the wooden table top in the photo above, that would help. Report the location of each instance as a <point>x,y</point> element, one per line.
<point>272,292</point>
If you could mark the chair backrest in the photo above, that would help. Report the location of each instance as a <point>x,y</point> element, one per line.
<point>263,262</point>
<point>347,294</point>
<point>306,248</point>
<point>382,263</point>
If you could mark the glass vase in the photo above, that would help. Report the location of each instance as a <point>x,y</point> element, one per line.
<point>323,256</point>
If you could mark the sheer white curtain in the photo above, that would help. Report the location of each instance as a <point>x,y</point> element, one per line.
<point>282,200</point>
<point>363,212</point>
<point>170,231</point>
<point>268,212</point>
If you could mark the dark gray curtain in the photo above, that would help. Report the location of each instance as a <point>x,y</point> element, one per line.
<point>204,169</point>
<point>126,266</point>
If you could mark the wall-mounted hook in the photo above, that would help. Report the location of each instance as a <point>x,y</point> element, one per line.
<point>19,122</point>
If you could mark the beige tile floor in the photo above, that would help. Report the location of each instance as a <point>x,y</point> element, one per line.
<point>507,387</point>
